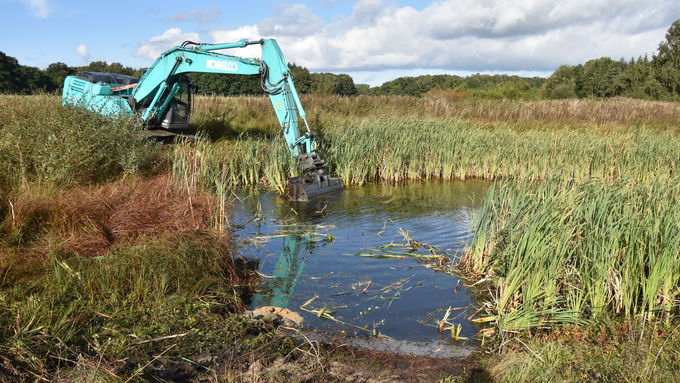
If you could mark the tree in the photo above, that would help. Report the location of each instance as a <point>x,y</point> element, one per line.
<point>114,67</point>
<point>363,89</point>
<point>598,77</point>
<point>225,84</point>
<point>667,62</point>
<point>33,80</point>
<point>329,83</point>
<point>10,78</point>
<point>301,77</point>
<point>637,80</point>
<point>57,72</point>
<point>562,83</point>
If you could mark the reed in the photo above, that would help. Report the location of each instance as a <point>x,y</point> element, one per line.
<point>40,141</point>
<point>232,115</point>
<point>405,150</point>
<point>574,251</point>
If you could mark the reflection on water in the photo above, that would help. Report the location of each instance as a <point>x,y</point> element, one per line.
<point>275,291</point>
<point>311,250</point>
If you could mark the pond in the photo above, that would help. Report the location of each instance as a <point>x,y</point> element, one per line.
<point>335,261</point>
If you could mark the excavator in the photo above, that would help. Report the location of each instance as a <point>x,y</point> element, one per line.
<point>161,100</point>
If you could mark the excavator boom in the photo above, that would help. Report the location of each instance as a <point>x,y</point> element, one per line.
<point>161,99</point>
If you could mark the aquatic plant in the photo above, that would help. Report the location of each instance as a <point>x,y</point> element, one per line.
<point>402,150</point>
<point>572,251</point>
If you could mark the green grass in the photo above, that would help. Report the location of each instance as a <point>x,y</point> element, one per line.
<point>572,251</point>
<point>607,351</point>
<point>42,142</point>
<point>406,150</point>
<point>82,309</point>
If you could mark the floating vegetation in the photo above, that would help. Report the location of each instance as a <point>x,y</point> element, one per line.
<point>455,329</point>
<point>309,236</point>
<point>327,313</point>
<point>393,291</point>
<point>435,258</point>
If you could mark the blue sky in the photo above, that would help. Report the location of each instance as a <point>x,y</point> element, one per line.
<point>372,40</point>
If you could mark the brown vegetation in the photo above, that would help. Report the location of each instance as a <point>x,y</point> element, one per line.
<point>252,114</point>
<point>89,220</point>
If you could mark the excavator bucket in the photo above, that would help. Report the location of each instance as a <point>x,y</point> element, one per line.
<point>301,189</point>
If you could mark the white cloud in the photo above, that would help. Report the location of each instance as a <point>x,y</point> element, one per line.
<point>291,20</point>
<point>159,44</point>
<point>39,8</point>
<point>84,52</point>
<point>461,35</point>
<point>247,32</point>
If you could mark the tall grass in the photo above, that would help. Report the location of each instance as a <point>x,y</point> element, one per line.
<point>223,166</point>
<point>401,150</point>
<point>42,142</point>
<point>569,252</point>
<point>232,115</point>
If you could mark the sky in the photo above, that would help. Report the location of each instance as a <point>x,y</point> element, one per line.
<point>372,40</point>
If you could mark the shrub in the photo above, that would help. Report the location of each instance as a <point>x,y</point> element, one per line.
<point>44,142</point>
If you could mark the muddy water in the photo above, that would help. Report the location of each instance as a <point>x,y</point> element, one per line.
<point>316,252</point>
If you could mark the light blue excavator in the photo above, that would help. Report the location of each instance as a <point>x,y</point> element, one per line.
<point>161,99</point>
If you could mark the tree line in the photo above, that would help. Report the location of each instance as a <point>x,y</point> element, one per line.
<point>20,79</point>
<point>657,78</point>
<point>305,82</point>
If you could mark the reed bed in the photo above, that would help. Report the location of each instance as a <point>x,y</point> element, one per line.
<point>254,113</point>
<point>569,252</point>
<point>405,150</point>
<point>223,166</point>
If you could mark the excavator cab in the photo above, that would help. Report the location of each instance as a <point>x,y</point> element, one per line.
<point>176,116</point>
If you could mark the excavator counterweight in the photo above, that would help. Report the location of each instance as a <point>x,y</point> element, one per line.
<point>161,99</point>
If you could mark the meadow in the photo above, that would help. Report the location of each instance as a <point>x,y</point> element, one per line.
<point>579,234</point>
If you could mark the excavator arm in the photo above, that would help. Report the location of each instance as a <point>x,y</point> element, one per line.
<point>157,86</point>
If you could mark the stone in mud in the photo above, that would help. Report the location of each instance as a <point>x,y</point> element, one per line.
<point>169,369</point>
<point>278,315</point>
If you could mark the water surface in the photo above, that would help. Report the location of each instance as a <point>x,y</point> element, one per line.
<point>312,249</point>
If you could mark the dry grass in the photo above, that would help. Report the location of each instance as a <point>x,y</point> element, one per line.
<point>254,113</point>
<point>89,220</point>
